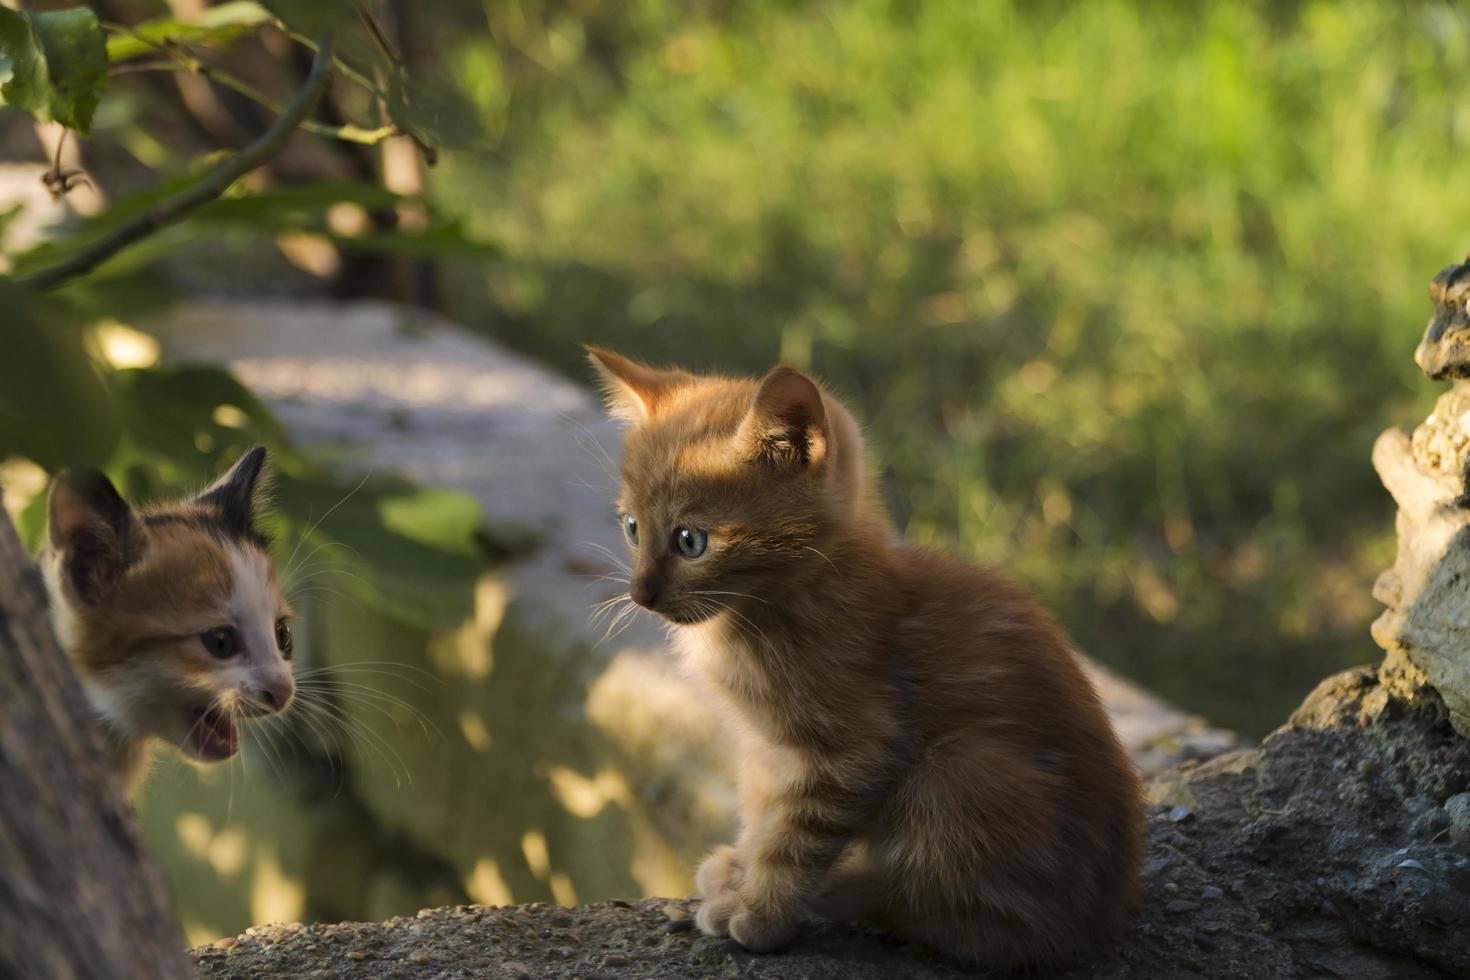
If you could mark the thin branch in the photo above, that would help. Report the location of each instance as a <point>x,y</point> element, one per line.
<point>346,70</point>
<point>430,154</point>
<point>213,184</point>
<point>380,38</point>
<point>347,132</point>
<point>183,61</point>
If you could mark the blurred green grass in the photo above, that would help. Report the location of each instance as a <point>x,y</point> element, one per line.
<point>1123,291</point>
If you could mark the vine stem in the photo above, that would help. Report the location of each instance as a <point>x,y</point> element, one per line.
<point>209,187</point>
<point>181,60</point>
<point>348,133</point>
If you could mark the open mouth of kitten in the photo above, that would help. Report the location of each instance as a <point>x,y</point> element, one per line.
<point>213,734</point>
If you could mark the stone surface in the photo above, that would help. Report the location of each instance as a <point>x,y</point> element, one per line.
<point>1427,618</point>
<point>1301,861</point>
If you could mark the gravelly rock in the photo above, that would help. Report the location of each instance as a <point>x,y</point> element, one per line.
<point>1300,862</point>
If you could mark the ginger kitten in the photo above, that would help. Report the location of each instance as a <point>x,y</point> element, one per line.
<point>171,615</point>
<point>919,746</point>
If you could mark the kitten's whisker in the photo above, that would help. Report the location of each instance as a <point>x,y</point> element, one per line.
<point>604,609</point>
<point>318,571</point>
<point>330,511</point>
<point>619,560</point>
<point>330,735</point>
<point>312,562</point>
<point>261,734</point>
<point>334,672</point>
<point>743,595</point>
<point>333,592</point>
<point>612,557</point>
<point>349,690</point>
<point>384,747</point>
<point>824,558</point>
<point>387,665</point>
<point>620,622</point>
<point>601,458</point>
<point>372,743</point>
<point>606,577</point>
<point>328,744</point>
<point>726,607</point>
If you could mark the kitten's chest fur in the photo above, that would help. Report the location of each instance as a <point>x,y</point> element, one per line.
<point>722,657</point>
<point>797,683</point>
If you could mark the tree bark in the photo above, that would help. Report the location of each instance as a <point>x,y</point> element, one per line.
<point>78,895</point>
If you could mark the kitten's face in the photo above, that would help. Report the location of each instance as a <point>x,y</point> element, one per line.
<point>172,615</point>
<point>728,485</point>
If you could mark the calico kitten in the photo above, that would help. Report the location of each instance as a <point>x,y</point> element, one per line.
<point>919,746</point>
<point>171,614</point>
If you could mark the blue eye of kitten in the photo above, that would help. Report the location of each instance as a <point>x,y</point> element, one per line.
<point>630,527</point>
<point>691,541</point>
<point>221,641</point>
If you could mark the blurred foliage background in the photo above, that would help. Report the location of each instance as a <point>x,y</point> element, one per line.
<point>1123,291</point>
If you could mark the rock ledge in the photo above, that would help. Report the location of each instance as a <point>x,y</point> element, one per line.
<point>1339,848</point>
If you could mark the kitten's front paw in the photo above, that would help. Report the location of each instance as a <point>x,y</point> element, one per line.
<point>761,933</point>
<point>719,873</point>
<point>716,911</point>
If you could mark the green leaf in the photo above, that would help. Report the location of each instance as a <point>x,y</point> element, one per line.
<point>407,549</point>
<point>54,65</point>
<point>285,206</point>
<point>215,27</point>
<point>54,406</point>
<point>313,17</point>
<point>30,523</point>
<point>23,77</point>
<point>190,414</point>
<point>438,518</point>
<point>447,240</point>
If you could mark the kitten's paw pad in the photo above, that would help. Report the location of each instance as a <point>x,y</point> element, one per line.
<point>715,913</point>
<point>719,873</point>
<point>761,933</point>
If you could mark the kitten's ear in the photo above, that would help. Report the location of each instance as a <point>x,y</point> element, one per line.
<point>237,495</point>
<point>633,391</point>
<point>787,423</point>
<point>93,530</point>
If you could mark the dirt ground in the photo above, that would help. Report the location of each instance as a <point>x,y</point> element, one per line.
<point>1339,848</point>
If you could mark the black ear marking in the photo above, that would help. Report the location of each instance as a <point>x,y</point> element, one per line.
<point>237,495</point>
<point>94,531</point>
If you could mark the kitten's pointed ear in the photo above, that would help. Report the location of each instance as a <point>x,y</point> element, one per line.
<point>633,391</point>
<point>238,495</point>
<point>93,530</point>
<point>787,423</point>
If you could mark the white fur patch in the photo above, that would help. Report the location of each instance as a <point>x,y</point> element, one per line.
<point>253,607</point>
<point>63,617</point>
<point>252,603</point>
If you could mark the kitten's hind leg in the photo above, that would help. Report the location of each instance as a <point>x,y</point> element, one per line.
<point>856,890</point>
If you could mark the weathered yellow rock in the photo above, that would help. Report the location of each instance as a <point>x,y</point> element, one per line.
<point>1427,619</point>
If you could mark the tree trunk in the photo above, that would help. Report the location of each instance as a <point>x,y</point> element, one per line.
<point>78,895</point>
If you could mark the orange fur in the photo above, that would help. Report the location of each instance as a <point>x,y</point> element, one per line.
<point>919,745</point>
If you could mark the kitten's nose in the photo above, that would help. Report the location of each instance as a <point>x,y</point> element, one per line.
<point>275,694</point>
<point>645,591</point>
